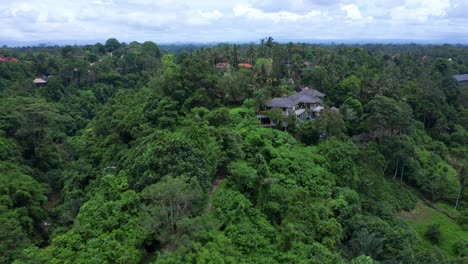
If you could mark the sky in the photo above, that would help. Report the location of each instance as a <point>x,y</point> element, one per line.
<point>206,21</point>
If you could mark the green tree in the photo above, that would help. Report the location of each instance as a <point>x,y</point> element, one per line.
<point>331,124</point>
<point>168,202</point>
<point>340,156</point>
<point>112,44</point>
<point>387,117</point>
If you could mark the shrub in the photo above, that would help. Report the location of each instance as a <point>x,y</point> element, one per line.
<point>433,234</point>
<point>461,247</point>
<point>462,219</point>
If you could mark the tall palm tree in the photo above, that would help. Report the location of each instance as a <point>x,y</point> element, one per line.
<point>251,52</point>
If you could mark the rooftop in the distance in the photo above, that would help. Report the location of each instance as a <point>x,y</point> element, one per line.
<point>311,92</point>
<point>39,81</point>
<point>461,77</point>
<point>306,96</point>
<point>280,102</point>
<point>8,59</point>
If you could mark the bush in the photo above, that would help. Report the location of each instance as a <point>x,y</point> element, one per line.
<point>433,234</point>
<point>462,219</point>
<point>461,247</point>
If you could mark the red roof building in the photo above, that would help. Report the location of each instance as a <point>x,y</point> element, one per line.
<point>5,59</point>
<point>245,65</point>
<point>223,65</point>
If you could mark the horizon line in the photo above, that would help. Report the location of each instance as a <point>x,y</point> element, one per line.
<point>51,43</point>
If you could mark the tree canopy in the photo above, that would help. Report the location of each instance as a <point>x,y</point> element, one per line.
<point>146,153</point>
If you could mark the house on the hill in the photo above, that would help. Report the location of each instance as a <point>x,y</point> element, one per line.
<point>244,65</point>
<point>285,104</point>
<point>461,79</point>
<point>223,65</point>
<point>39,82</point>
<point>308,64</point>
<point>307,104</point>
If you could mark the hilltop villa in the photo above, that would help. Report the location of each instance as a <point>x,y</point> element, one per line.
<point>307,104</point>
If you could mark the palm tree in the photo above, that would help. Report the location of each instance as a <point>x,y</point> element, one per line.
<point>366,244</point>
<point>251,52</point>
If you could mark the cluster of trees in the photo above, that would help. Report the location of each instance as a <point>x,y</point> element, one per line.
<point>118,158</point>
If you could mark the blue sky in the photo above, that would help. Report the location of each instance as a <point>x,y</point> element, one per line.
<point>166,21</point>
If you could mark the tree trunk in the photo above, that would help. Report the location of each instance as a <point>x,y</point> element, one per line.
<point>402,171</point>
<point>462,189</point>
<point>396,170</point>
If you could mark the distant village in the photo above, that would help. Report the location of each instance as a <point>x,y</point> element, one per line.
<point>304,105</point>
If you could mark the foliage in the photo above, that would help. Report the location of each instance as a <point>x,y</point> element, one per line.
<point>168,202</point>
<point>433,234</point>
<point>461,248</point>
<point>106,229</point>
<point>138,153</point>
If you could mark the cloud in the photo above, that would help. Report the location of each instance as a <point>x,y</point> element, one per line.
<point>251,13</point>
<point>352,11</point>
<point>420,10</point>
<point>199,17</point>
<point>240,20</point>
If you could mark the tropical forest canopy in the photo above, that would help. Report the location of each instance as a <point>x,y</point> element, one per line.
<point>139,153</point>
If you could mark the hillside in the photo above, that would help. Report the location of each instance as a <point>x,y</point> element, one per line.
<point>253,153</point>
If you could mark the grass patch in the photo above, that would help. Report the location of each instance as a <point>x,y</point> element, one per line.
<point>423,216</point>
<point>449,208</point>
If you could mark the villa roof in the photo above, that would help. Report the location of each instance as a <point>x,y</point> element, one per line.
<point>307,96</point>
<point>303,98</point>
<point>282,102</point>
<point>5,59</point>
<point>223,65</point>
<point>461,77</point>
<point>39,81</point>
<point>245,65</point>
<point>311,92</point>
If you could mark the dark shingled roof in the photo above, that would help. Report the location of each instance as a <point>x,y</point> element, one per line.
<point>308,96</point>
<point>461,77</point>
<point>311,92</point>
<point>303,98</point>
<point>280,102</point>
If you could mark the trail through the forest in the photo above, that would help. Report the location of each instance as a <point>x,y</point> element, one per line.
<point>216,183</point>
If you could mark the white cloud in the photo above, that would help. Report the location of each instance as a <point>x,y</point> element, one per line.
<point>276,17</point>
<point>240,20</point>
<point>199,17</point>
<point>420,10</point>
<point>352,11</point>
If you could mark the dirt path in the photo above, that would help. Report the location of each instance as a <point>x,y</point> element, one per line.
<point>216,183</point>
<point>428,202</point>
<point>434,207</point>
<point>52,201</point>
